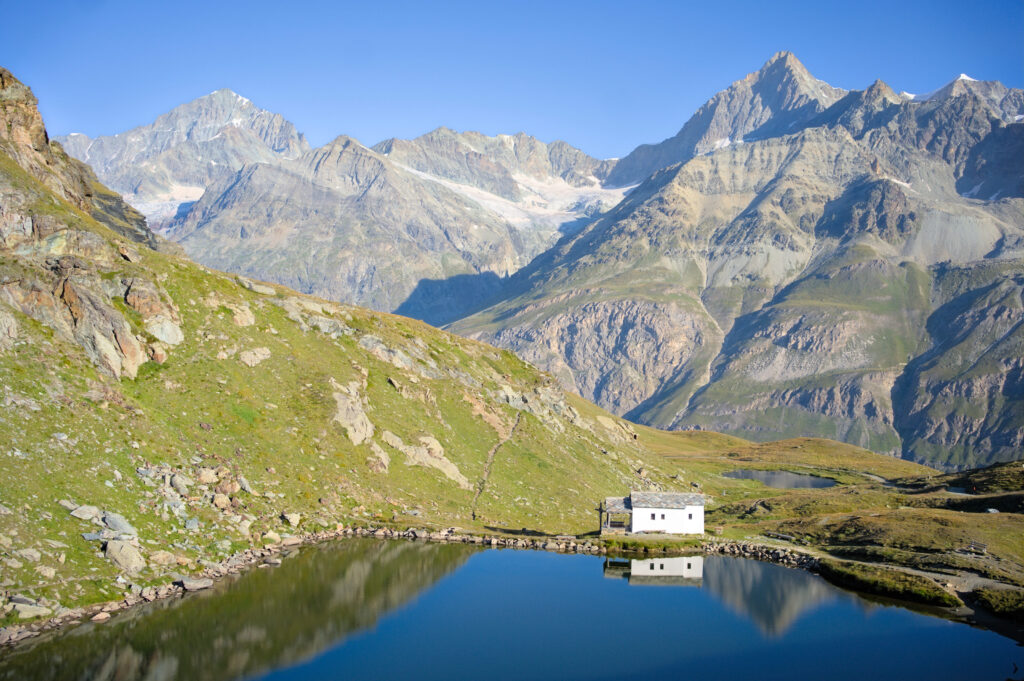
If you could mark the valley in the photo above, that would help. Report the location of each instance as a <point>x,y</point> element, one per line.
<point>826,297</point>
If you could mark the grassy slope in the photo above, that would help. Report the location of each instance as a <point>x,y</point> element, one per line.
<point>69,432</point>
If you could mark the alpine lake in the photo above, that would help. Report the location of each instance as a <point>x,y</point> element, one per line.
<point>378,609</point>
<point>782,479</point>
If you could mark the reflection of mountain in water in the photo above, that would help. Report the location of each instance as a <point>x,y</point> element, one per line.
<point>267,619</point>
<point>770,595</point>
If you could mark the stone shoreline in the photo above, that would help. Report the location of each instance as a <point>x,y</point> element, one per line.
<point>250,558</point>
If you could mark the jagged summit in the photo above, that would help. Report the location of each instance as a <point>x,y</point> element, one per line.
<point>779,97</point>
<point>168,163</point>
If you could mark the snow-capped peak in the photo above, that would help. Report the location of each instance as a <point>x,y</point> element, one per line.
<point>964,76</point>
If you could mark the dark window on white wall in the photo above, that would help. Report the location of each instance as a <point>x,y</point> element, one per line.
<point>662,516</point>
<point>652,516</point>
<point>652,566</point>
<point>691,517</point>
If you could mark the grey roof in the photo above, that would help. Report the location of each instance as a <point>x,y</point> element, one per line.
<point>617,505</point>
<point>665,499</point>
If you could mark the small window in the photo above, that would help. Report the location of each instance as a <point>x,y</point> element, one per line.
<point>662,516</point>
<point>661,566</point>
<point>652,566</point>
<point>652,516</point>
<point>691,517</point>
<point>687,566</point>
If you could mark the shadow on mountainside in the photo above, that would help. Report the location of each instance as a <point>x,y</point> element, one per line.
<point>440,301</point>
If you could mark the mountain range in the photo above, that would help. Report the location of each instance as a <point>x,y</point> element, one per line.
<point>798,259</point>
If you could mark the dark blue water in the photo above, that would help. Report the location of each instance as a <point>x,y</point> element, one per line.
<point>531,615</point>
<point>781,479</point>
<point>366,609</point>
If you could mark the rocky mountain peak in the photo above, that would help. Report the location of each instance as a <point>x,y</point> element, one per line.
<point>779,98</point>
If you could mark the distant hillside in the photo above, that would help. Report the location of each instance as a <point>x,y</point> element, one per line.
<point>427,227</point>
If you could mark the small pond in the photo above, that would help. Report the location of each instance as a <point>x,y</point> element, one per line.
<point>368,609</point>
<point>781,479</point>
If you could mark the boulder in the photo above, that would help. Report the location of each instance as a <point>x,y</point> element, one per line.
<point>251,358</point>
<point>256,288</point>
<point>180,483</point>
<point>117,523</point>
<point>125,556</point>
<point>195,584</point>
<point>207,476</point>
<point>221,501</point>
<point>162,558</point>
<point>29,611</point>
<point>86,512</point>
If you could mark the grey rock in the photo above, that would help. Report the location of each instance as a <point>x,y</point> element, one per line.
<point>30,611</point>
<point>195,584</point>
<point>117,523</point>
<point>180,484</point>
<point>125,556</point>
<point>86,512</point>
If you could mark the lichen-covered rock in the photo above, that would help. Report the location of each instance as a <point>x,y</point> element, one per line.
<point>8,329</point>
<point>350,413</point>
<point>125,556</point>
<point>251,358</point>
<point>428,453</point>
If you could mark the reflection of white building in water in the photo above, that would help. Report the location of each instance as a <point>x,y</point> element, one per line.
<point>674,571</point>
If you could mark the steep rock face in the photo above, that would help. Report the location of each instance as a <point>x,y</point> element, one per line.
<point>808,260</point>
<point>161,166</point>
<point>961,402</point>
<point>24,140</point>
<point>779,98</point>
<point>618,351</point>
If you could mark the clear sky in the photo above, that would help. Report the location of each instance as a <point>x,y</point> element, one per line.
<point>604,76</point>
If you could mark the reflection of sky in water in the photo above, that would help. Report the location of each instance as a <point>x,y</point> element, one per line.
<point>531,615</point>
<point>781,479</point>
<point>396,610</point>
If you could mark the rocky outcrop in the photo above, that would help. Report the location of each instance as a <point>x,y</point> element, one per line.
<point>67,298</point>
<point>428,453</point>
<point>8,330</point>
<point>350,414</point>
<point>23,137</point>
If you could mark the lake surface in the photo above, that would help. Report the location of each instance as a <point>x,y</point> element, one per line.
<point>781,479</point>
<point>368,609</point>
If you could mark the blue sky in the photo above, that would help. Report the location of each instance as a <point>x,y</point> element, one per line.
<point>604,76</point>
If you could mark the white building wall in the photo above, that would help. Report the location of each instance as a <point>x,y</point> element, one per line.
<point>687,567</point>
<point>689,520</point>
